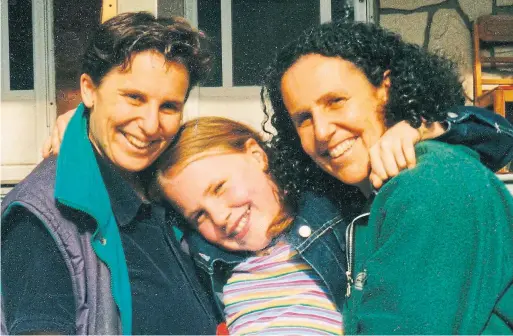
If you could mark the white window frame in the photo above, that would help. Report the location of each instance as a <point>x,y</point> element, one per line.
<point>363,12</point>
<point>43,94</point>
<point>44,77</point>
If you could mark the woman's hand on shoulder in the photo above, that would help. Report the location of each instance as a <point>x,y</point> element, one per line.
<point>53,142</point>
<point>395,150</point>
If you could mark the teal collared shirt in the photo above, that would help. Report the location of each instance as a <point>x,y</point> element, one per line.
<point>79,185</point>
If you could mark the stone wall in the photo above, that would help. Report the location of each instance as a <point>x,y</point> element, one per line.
<point>441,25</point>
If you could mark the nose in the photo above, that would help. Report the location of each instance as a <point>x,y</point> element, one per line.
<point>218,213</point>
<point>323,127</point>
<point>150,120</point>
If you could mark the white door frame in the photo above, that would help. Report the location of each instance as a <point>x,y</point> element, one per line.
<point>43,94</point>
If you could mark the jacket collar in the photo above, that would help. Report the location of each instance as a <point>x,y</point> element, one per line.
<point>79,183</point>
<point>124,200</point>
<point>314,210</point>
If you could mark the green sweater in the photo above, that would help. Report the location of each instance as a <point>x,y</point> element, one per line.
<point>436,254</point>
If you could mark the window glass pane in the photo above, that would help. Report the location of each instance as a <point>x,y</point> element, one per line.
<point>209,20</point>
<point>73,27</point>
<point>342,9</point>
<point>260,28</point>
<point>21,57</point>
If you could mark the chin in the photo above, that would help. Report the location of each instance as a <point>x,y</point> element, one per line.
<point>261,246</point>
<point>351,176</point>
<point>134,165</point>
<point>133,168</point>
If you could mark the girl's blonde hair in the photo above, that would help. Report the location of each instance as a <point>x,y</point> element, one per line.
<point>207,134</point>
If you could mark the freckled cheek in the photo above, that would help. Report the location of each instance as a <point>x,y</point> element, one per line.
<point>208,231</point>
<point>237,195</point>
<point>264,194</point>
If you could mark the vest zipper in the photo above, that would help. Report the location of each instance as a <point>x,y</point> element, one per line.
<point>349,252</point>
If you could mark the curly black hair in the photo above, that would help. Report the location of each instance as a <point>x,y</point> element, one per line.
<point>423,87</point>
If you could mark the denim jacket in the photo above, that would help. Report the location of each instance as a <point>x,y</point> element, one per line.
<point>486,132</point>
<point>318,231</point>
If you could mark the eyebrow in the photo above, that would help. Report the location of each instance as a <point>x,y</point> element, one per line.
<point>209,189</point>
<point>299,115</point>
<point>330,95</point>
<point>127,90</point>
<point>178,103</point>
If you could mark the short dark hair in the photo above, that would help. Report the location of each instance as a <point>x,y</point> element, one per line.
<point>119,38</point>
<point>423,86</point>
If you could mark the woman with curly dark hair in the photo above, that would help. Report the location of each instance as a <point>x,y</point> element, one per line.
<point>425,87</point>
<point>419,260</point>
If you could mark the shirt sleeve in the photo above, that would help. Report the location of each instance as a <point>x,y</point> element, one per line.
<point>484,131</point>
<point>36,286</point>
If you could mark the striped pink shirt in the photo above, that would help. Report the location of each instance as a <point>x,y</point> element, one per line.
<point>279,294</point>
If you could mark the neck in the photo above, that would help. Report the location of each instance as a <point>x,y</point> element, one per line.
<point>365,187</point>
<point>134,180</point>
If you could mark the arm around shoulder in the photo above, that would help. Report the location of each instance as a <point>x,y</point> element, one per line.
<point>484,131</point>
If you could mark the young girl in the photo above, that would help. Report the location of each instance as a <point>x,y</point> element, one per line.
<point>280,268</point>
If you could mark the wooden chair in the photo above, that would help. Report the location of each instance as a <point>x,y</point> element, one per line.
<point>493,88</point>
<point>489,32</point>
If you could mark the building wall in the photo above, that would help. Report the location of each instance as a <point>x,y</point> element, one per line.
<point>442,25</point>
<point>445,26</point>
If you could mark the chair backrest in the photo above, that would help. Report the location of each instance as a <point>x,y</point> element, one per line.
<point>490,32</point>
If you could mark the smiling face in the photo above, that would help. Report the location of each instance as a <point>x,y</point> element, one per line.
<point>136,113</point>
<point>227,196</point>
<point>337,112</point>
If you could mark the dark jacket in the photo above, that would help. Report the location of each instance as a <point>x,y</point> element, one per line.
<point>60,192</point>
<point>317,233</point>
<point>486,132</point>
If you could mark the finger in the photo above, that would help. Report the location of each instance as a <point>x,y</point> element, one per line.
<point>61,128</point>
<point>376,181</point>
<point>377,167</point>
<point>47,148</point>
<point>63,121</point>
<point>56,141</point>
<point>409,154</point>
<point>389,162</point>
<point>399,156</point>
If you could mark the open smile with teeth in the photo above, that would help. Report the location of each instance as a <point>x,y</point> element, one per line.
<point>341,148</point>
<point>243,222</point>
<point>139,143</point>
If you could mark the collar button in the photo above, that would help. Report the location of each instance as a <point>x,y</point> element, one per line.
<point>305,231</point>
